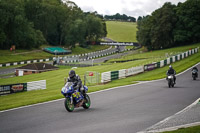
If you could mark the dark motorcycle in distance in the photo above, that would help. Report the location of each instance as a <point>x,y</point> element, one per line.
<point>194,74</point>
<point>170,79</point>
<point>74,98</point>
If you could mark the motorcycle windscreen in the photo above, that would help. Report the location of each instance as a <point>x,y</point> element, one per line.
<point>194,71</point>
<point>64,90</point>
<point>67,88</point>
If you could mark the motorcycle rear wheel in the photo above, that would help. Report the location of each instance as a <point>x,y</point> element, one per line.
<point>87,102</point>
<point>68,105</point>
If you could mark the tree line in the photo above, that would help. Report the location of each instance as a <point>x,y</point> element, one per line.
<point>120,17</point>
<point>31,23</point>
<point>170,26</point>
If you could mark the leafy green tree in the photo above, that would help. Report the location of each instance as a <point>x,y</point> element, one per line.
<point>139,18</point>
<point>95,28</point>
<point>143,33</point>
<point>77,32</point>
<point>3,21</point>
<point>16,29</point>
<point>30,23</point>
<point>187,29</point>
<point>156,31</point>
<point>119,17</point>
<point>171,26</point>
<point>163,20</point>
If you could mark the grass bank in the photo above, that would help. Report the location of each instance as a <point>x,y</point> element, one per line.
<point>121,31</point>
<point>195,129</point>
<point>156,55</point>
<point>21,55</point>
<point>55,80</point>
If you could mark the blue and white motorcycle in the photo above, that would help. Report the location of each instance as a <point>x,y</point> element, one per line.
<point>74,98</point>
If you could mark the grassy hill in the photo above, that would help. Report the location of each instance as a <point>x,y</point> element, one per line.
<point>121,31</point>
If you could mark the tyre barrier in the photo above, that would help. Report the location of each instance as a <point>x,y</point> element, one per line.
<point>113,75</point>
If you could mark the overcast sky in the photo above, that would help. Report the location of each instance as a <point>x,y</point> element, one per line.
<point>132,8</point>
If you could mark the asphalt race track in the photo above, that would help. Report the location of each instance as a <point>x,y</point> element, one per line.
<point>7,71</point>
<point>126,109</point>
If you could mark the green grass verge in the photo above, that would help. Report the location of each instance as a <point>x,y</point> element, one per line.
<point>130,47</point>
<point>55,81</point>
<point>8,57</point>
<point>121,31</point>
<point>156,55</point>
<point>195,129</point>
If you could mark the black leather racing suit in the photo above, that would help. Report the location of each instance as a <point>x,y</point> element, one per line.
<point>76,80</point>
<point>195,68</point>
<point>77,83</point>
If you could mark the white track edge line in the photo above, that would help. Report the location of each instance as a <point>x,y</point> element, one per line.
<point>170,117</point>
<point>175,127</point>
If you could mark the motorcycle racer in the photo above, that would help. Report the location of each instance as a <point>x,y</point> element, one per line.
<point>171,71</point>
<point>75,78</point>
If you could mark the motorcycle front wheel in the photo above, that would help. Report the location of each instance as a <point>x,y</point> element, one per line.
<point>172,84</point>
<point>169,83</point>
<point>68,105</point>
<point>87,102</point>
